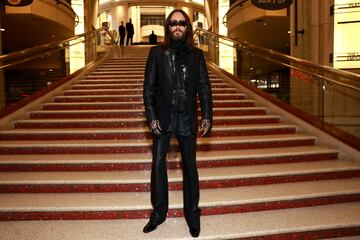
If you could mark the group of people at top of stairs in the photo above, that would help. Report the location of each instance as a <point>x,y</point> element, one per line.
<point>175,75</point>
<point>128,31</point>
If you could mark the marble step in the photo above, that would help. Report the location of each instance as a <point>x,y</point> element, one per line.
<point>138,77</point>
<point>130,75</point>
<point>93,105</point>
<point>109,81</point>
<point>136,122</point>
<point>135,113</point>
<point>128,205</point>
<point>107,86</point>
<point>115,77</point>
<point>116,80</point>
<point>329,221</point>
<point>138,97</point>
<point>121,66</point>
<point>130,91</point>
<point>125,65</point>
<point>210,178</point>
<point>127,86</point>
<point>143,146</point>
<point>129,72</point>
<point>136,133</point>
<point>116,67</point>
<point>122,105</point>
<point>124,62</point>
<point>128,162</point>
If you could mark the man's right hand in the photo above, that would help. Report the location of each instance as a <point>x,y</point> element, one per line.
<point>155,127</point>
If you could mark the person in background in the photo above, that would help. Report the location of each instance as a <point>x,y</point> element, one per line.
<point>122,33</point>
<point>152,38</point>
<point>175,75</point>
<point>129,32</point>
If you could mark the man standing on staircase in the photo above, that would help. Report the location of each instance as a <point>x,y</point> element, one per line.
<point>175,75</point>
<point>122,33</point>
<point>129,32</point>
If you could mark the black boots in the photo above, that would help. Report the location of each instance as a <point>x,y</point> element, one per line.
<point>195,232</point>
<point>149,227</point>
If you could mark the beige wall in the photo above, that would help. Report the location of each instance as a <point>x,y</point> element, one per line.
<point>186,8</point>
<point>119,13</point>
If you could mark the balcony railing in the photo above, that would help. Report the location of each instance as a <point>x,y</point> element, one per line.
<point>152,21</point>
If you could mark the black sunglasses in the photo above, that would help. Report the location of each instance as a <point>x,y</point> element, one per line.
<point>173,23</point>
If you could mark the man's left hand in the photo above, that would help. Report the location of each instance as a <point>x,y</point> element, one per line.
<point>205,127</point>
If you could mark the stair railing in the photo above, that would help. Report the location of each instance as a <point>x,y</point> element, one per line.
<point>34,69</point>
<point>323,96</point>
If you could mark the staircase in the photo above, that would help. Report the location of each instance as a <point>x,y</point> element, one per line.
<point>87,156</point>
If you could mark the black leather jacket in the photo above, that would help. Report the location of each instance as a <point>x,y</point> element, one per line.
<point>158,86</point>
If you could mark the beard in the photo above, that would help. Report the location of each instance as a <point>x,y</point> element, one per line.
<point>177,35</point>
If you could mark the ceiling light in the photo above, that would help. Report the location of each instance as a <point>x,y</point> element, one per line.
<point>2,29</point>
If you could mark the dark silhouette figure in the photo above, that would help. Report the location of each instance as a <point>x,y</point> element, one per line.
<point>153,38</point>
<point>122,33</point>
<point>129,32</point>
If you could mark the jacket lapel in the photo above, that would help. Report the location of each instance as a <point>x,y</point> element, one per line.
<point>168,63</point>
<point>189,67</point>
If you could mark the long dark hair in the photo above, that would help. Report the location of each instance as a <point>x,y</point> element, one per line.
<point>188,31</point>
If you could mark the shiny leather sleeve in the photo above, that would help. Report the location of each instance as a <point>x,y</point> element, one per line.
<point>204,90</point>
<point>149,93</point>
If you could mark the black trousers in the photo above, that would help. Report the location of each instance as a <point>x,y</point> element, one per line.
<point>159,179</point>
<point>122,38</point>
<point>129,39</point>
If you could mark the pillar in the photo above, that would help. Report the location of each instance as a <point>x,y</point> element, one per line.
<point>186,8</point>
<point>208,13</point>
<point>119,13</point>
<point>2,79</point>
<point>90,14</point>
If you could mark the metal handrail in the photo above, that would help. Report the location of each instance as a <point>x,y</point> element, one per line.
<point>24,59</point>
<point>271,54</point>
<point>40,49</point>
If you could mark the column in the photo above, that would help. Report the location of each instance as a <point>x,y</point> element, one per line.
<point>2,79</point>
<point>90,14</point>
<point>186,8</point>
<point>208,12</point>
<point>119,13</point>
<point>135,17</point>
